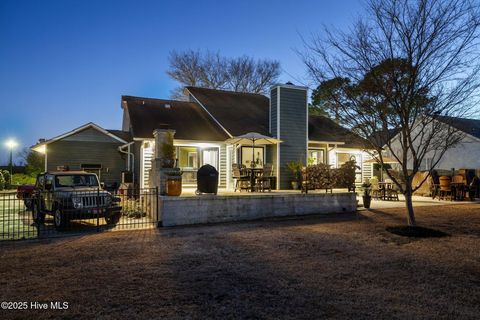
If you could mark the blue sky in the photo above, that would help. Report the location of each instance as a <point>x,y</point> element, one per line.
<point>66,63</point>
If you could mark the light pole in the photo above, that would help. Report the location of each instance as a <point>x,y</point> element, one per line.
<point>11,144</point>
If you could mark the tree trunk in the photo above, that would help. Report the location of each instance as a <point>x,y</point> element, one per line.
<point>408,202</point>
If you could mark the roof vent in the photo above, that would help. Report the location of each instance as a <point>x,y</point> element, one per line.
<point>167,106</point>
<point>289,83</point>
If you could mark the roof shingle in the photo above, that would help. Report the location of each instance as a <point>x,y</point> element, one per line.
<point>188,119</point>
<point>237,112</point>
<point>321,128</point>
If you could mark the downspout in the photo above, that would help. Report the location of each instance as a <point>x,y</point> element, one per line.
<point>129,154</point>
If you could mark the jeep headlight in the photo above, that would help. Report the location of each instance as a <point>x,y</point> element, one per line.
<point>108,200</point>
<point>77,202</point>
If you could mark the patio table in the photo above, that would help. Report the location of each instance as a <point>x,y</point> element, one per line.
<point>384,186</point>
<point>253,173</point>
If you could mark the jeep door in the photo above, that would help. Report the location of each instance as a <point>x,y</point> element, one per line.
<point>40,191</point>
<point>48,193</point>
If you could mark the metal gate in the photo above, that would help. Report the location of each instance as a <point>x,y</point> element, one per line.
<point>53,215</point>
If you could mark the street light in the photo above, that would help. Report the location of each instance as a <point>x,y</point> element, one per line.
<point>11,144</point>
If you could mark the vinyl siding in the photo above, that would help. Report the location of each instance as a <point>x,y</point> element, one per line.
<point>273,112</point>
<point>90,135</point>
<point>75,153</point>
<point>293,131</point>
<point>223,166</point>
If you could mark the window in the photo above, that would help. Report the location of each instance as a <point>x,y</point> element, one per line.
<point>428,164</point>
<point>188,161</point>
<point>316,156</point>
<point>188,157</point>
<point>76,180</point>
<point>250,154</point>
<point>210,156</point>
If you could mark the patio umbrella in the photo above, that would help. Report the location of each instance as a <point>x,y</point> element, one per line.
<point>253,138</point>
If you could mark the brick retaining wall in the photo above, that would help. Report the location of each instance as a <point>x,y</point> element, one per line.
<point>176,211</point>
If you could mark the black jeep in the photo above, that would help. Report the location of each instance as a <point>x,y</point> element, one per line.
<point>72,195</point>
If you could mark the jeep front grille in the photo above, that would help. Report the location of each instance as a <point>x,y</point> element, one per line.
<point>92,201</point>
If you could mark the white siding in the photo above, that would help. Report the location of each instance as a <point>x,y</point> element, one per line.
<point>146,164</point>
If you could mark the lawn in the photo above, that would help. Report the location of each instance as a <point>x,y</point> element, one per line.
<point>344,266</point>
<point>15,221</point>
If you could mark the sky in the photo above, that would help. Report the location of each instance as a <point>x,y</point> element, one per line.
<point>66,63</point>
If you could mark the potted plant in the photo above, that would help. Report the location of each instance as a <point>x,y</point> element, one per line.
<point>296,168</point>
<point>174,183</point>
<point>367,198</point>
<point>168,152</point>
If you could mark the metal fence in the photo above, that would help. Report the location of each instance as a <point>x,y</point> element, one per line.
<point>60,213</point>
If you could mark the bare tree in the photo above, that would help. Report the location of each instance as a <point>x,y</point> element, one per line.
<point>411,66</point>
<point>211,70</point>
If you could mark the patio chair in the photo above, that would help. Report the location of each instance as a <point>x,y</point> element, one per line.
<point>445,187</point>
<point>434,184</point>
<point>392,193</point>
<point>458,187</point>
<point>242,180</point>
<point>264,182</point>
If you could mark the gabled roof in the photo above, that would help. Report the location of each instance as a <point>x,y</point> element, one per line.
<point>469,126</point>
<point>124,135</point>
<point>323,129</point>
<point>236,112</point>
<point>381,138</point>
<point>189,120</point>
<point>118,135</point>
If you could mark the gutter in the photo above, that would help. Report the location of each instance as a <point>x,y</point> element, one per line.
<point>130,163</point>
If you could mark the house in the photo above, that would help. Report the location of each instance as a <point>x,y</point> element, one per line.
<point>464,155</point>
<point>202,124</point>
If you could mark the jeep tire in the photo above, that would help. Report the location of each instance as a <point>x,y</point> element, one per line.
<point>38,215</point>
<point>59,219</point>
<point>113,218</point>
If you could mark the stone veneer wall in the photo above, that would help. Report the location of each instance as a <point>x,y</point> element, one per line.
<point>188,210</point>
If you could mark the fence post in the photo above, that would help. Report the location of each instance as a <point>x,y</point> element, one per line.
<point>98,208</point>
<point>159,224</point>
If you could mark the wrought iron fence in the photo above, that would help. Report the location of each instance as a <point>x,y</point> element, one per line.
<point>64,212</point>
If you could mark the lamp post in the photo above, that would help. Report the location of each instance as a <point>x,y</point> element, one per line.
<point>11,144</point>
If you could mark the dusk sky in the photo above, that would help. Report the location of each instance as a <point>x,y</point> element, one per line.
<point>66,63</point>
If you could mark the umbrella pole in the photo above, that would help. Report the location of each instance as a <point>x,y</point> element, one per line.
<point>253,153</point>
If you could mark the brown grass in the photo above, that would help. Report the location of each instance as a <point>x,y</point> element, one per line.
<point>345,266</point>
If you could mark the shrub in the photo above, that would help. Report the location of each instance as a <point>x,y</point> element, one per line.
<point>2,181</point>
<point>6,178</point>
<point>346,174</point>
<point>168,149</point>
<point>20,178</point>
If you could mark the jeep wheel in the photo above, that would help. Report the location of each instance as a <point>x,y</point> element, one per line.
<point>59,219</point>
<point>37,215</point>
<point>113,219</point>
<point>28,203</point>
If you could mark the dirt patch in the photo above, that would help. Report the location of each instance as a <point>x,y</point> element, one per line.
<point>342,266</point>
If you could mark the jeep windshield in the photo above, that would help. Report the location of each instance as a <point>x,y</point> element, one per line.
<point>76,180</point>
